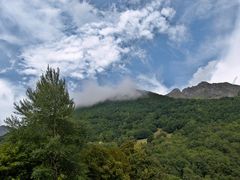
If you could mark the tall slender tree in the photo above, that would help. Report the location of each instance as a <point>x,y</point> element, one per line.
<point>46,131</point>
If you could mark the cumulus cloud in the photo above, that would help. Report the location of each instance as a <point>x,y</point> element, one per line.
<point>93,93</point>
<point>97,44</point>
<point>76,56</point>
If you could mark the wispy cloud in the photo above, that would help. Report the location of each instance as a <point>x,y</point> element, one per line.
<point>204,9</point>
<point>151,83</point>
<point>100,42</point>
<point>29,21</point>
<point>204,73</point>
<point>227,68</point>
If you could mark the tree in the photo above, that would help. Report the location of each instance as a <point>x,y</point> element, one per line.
<point>106,162</point>
<point>142,133</point>
<point>44,129</point>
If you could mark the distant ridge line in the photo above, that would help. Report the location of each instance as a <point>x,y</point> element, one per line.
<point>205,90</point>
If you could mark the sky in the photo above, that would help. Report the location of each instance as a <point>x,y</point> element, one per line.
<point>116,46</point>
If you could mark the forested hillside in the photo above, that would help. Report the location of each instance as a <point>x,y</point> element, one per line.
<point>124,119</point>
<point>153,137</point>
<point>186,139</point>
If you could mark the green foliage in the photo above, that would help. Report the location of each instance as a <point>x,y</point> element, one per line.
<point>239,93</point>
<point>46,140</point>
<point>198,139</point>
<point>106,162</point>
<point>142,133</point>
<point>153,137</point>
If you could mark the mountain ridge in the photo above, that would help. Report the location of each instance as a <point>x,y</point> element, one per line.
<point>205,90</point>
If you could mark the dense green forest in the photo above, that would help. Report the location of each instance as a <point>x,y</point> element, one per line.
<point>153,137</point>
<point>186,139</point>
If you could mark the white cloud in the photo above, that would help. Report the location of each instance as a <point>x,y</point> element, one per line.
<point>75,56</point>
<point>203,73</point>
<point>227,69</point>
<point>151,83</point>
<point>6,100</point>
<point>24,21</point>
<point>9,93</point>
<point>144,23</point>
<point>215,21</point>
<point>81,13</point>
<point>94,93</point>
<point>100,42</point>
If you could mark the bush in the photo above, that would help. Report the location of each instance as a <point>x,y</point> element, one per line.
<point>142,133</point>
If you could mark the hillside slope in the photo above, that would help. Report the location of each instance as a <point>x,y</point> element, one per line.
<point>116,119</point>
<point>153,137</point>
<point>186,138</point>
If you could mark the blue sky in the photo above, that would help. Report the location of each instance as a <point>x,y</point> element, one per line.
<point>153,45</point>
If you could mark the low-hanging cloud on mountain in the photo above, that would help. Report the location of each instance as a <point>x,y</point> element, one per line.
<point>93,93</point>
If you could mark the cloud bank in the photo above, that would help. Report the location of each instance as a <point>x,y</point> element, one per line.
<point>93,93</point>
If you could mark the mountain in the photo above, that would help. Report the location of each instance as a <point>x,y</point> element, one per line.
<point>114,120</point>
<point>152,137</point>
<point>3,130</point>
<point>205,90</point>
<point>175,138</point>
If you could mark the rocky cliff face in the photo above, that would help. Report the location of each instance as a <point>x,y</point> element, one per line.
<point>205,90</point>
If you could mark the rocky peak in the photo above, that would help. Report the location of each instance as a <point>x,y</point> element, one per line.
<point>205,90</point>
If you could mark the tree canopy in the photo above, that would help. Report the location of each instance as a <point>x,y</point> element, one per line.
<point>45,138</point>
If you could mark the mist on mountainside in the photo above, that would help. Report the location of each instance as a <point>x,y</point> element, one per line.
<point>93,93</point>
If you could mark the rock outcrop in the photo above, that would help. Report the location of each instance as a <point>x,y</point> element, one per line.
<point>205,90</point>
